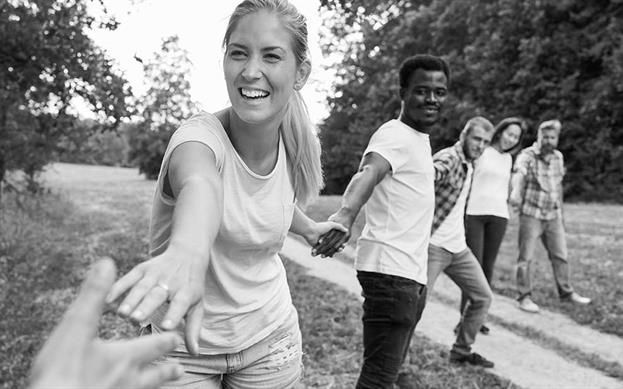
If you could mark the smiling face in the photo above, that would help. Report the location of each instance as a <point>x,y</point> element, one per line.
<point>423,99</point>
<point>509,137</point>
<point>260,68</point>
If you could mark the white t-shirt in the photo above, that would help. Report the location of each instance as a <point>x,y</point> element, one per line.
<point>246,294</point>
<point>492,174</point>
<point>400,210</point>
<point>451,233</point>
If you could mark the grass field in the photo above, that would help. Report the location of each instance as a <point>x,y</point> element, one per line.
<point>47,242</point>
<point>44,257</point>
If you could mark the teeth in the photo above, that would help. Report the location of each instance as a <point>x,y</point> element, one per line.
<point>253,93</point>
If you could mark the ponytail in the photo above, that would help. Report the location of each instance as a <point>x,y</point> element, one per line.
<point>303,149</point>
<point>299,136</point>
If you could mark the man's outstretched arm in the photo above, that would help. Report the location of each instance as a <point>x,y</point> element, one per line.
<point>372,170</point>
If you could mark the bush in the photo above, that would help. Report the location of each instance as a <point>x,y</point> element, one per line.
<point>147,147</point>
<point>108,148</point>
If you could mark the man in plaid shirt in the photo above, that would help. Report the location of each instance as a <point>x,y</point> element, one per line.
<point>537,195</point>
<point>448,251</point>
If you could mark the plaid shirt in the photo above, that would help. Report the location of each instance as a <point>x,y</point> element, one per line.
<point>450,172</point>
<point>542,176</point>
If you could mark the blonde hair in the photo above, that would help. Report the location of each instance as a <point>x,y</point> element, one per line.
<point>297,131</point>
<point>477,121</point>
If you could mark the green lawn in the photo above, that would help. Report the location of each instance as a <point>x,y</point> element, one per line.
<point>595,243</point>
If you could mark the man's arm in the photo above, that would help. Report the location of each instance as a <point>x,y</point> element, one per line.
<point>372,170</point>
<point>517,184</point>
<point>561,187</point>
<point>444,162</point>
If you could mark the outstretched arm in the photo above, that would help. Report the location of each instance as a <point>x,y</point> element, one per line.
<point>443,162</point>
<point>518,182</point>
<point>178,274</point>
<point>73,357</point>
<point>372,170</point>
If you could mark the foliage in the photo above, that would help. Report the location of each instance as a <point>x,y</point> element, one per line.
<point>93,147</point>
<point>164,106</point>
<point>537,59</point>
<point>47,62</point>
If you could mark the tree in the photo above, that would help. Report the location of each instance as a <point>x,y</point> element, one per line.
<point>166,103</point>
<point>47,61</point>
<point>537,59</point>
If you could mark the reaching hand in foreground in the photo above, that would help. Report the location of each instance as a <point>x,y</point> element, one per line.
<point>72,357</point>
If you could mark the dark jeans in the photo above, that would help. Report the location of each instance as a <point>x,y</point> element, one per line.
<point>392,307</point>
<point>484,235</point>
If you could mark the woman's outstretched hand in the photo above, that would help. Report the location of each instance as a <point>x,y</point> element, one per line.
<point>176,277</point>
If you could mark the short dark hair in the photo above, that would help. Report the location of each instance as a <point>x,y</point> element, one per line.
<point>503,124</point>
<point>421,61</point>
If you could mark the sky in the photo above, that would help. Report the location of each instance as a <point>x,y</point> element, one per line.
<point>200,25</point>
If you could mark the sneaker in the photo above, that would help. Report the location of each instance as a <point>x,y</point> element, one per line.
<point>526,304</point>
<point>576,299</point>
<point>472,358</point>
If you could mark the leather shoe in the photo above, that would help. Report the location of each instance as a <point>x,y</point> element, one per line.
<point>471,358</point>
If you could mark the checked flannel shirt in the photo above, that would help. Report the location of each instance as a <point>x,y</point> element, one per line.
<point>450,172</point>
<point>542,182</point>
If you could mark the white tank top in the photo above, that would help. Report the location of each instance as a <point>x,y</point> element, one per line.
<point>492,174</point>
<point>246,293</point>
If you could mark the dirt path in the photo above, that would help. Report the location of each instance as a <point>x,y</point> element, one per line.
<point>521,360</point>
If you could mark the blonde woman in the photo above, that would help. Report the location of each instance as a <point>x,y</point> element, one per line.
<point>229,190</point>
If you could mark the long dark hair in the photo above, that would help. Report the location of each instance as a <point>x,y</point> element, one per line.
<point>502,125</point>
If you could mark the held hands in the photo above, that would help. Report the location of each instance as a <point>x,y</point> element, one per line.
<point>334,240</point>
<point>514,201</point>
<point>73,358</point>
<point>176,277</point>
<point>321,229</point>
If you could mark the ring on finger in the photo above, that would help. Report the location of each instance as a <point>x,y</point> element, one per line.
<point>164,286</point>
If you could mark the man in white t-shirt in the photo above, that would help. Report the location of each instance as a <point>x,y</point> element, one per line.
<point>396,172</point>
<point>448,251</point>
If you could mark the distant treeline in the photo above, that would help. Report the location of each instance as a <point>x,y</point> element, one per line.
<point>537,59</point>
